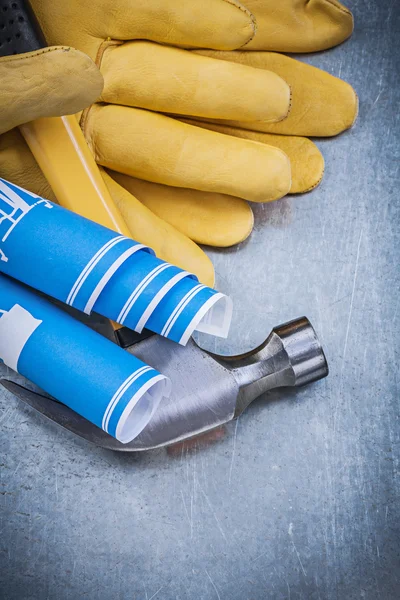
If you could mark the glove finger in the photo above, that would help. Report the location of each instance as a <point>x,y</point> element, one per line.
<point>168,243</point>
<point>204,217</point>
<point>220,24</point>
<point>46,83</point>
<point>158,148</point>
<point>301,26</point>
<point>306,161</point>
<point>165,79</point>
<point>322,105</point>
<point>19,166</point>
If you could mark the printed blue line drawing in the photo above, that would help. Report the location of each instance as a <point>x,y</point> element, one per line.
<point>17,325</point>
<point>13,209</point>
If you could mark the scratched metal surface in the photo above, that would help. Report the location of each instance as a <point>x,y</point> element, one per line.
<point>300,498</point>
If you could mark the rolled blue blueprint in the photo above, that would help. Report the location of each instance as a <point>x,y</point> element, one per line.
<point>93,268</point>
<point>77,366</point>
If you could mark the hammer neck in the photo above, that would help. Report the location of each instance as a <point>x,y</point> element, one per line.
<point>266,368</point>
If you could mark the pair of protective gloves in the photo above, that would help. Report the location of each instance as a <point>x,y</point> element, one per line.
<point>190,113</point>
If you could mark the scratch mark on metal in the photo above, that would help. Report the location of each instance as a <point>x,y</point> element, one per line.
<point>316,585</point>
<point>213,584</point>
<point>190,518</point>
<point>16,469</point>
<point>233,451</point>
<point>346,340</point>
<point>298,556</point>
<point>377,98</point>
<point>42,545</point>
<point>56,483</point>
<point>8,413</point>
<point>154,595</point>
<point>213,513</point>
<point>352,298</point>
<point>259,556</point>
<point>340,300</point>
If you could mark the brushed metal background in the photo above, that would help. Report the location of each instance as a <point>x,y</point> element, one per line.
<point>298,499</point>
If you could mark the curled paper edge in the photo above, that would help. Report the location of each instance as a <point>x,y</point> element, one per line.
<point>214,318</point>
<point>141,408</point>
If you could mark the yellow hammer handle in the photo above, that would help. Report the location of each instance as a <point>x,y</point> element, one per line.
<point>63,155</point>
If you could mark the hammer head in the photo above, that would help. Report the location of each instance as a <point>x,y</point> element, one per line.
<point>304,351</point>
<point>208,390</point>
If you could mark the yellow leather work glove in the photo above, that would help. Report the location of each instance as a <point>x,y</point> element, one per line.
<point>322,105</point>
<point>166,79</point>
<point>165,22</point>
<point>222,24</point>
<point>51,82</point>
<point>155,147</point>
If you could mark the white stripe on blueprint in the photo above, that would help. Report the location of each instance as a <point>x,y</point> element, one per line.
<point>107,276</point>
<point>157,299</point>
<point>120,392</point>
<point>180,308</point>
<point>138,290</point>
<point>90,266</point>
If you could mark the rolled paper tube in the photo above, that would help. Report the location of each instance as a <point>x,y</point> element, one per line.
<point>93,268</point>
<point>77,366</point>
<point>172,319</point>
<point>164,299</point>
